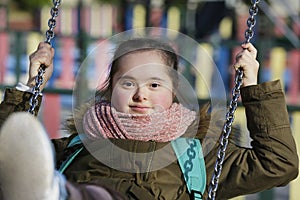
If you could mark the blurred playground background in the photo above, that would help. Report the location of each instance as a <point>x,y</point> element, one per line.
<point>218,26</point>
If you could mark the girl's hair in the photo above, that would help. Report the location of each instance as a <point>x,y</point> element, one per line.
<point>138,45</point>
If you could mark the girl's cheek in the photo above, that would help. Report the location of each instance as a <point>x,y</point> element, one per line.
<point>120,93</point>
<point>163,102</point>
<point>119,99</point>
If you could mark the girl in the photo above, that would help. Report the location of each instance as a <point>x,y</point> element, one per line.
<point>137,111</point>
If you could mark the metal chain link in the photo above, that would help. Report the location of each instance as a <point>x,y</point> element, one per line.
<point>39,78</point>
<point>232,107</point>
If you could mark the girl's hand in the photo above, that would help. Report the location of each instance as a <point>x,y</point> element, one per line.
<point>246,61</point>
<point>43,55</point>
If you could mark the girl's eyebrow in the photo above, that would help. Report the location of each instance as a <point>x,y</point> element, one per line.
<point>157,79</point>
<point>125,77</point>
<point>133,78</point>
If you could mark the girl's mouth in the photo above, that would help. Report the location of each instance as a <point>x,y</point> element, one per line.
<point>140,109</point>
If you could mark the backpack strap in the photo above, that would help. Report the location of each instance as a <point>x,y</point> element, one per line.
<point>76,140</point>
<point>190,157</point>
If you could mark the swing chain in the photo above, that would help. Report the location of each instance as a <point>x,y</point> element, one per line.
<point>253,10</point>
<point>39,78</point>
<point>224,137</point>
<point>232,107</point>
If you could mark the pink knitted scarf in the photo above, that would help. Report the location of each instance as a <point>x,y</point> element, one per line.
<point>103,121</point>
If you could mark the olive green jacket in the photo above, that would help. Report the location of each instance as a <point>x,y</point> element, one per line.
<point>271,161</point>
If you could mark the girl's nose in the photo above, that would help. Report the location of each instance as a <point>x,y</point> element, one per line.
<point>140,94</point>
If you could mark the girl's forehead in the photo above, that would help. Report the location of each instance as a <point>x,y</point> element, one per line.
<point>143,65</point>
<point>144,71</point>
<point>146,60</point>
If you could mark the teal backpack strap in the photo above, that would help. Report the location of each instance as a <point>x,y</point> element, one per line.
<point>191,161</point>
<point>67,162</point>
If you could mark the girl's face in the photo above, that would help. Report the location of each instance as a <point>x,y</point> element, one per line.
<point>142,84</point>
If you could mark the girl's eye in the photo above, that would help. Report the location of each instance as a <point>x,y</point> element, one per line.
<point>154,85</point>
<point>128,84</point>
